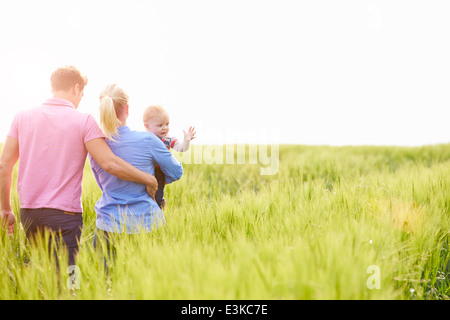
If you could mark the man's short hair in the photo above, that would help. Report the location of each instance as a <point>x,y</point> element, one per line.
<point>66,77</point>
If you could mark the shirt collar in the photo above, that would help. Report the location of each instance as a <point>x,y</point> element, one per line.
<point>123,129</point>
<point>59,102</point>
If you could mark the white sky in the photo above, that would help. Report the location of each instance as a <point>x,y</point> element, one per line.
<point>248,71</point>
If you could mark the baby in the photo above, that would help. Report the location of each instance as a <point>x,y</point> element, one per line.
<point>156,121</point>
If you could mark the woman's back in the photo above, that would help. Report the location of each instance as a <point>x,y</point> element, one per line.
<point>126,201</point>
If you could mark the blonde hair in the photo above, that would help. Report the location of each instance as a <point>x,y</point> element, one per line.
<point>153,112</point>
<point>112,100</point>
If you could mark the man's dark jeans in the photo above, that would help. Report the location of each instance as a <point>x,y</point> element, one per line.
<point>65,226</point>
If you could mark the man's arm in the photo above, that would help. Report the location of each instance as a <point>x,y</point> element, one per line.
<point>118,167</point>
<point>8,159</point>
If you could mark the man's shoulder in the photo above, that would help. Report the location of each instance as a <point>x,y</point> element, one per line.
<point>30,111</point>
<point>30,114</point>
<point>62,110</point>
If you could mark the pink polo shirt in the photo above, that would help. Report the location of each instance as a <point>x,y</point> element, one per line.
<point>52,154</point>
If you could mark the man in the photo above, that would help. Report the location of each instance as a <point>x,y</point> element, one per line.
<point>53,141</point>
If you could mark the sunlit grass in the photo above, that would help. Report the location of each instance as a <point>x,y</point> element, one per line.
<point>309,232</point>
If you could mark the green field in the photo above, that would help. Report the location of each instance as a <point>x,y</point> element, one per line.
<point>332,223</point>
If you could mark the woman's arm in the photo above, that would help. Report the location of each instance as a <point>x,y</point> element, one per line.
<point>171,167</point>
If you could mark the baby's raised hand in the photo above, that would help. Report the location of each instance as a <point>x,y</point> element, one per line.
<point>190,134</point>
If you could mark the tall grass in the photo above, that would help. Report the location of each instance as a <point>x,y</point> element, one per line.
<point>314,230</point>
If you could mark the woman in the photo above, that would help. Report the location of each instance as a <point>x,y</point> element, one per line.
<point>126,206</point>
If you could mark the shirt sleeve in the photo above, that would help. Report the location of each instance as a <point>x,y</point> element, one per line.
<point>181,146</point>
<point>177,145</point>
<point>171,167</point>
<point>14,130</point>
<point>91,130</point>
<point>95,168</point>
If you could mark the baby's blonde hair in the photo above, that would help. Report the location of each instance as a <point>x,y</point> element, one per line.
<point>153,112</point>
<point>112,100</point>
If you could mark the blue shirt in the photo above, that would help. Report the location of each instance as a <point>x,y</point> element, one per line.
<point>125,205</point>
